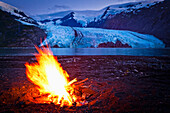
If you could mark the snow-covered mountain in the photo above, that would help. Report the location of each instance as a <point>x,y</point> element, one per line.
<point>17,14</point>
<point>80,17</point>
<point>70,30</point>
<point>147,17</point>
<point>76,37</point>
<point>83,18</point>
<point>153,20</point>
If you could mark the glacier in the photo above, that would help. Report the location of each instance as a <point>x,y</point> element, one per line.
<point>76,37</point>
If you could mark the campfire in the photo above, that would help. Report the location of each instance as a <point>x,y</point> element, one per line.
<point>52,81</point>
<point>47,87</point>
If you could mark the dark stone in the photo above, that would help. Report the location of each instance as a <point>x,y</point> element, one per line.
<point>45,21</point>
<point>71,22</point>
<point>112,45</point>
<point>104,14</point>
<point>56,46</point>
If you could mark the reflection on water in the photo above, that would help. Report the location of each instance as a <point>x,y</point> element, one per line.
<point>88,51</point>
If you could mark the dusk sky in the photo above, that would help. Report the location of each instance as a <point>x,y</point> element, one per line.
<point>33,7</point>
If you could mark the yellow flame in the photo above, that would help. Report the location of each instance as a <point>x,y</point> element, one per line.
<point>50,77</point>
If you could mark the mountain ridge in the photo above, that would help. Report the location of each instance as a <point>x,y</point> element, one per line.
<point>91,15</point>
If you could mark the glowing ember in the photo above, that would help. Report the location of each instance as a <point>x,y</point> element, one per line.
<point>51,79</point>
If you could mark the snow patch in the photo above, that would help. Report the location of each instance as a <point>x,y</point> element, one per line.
<point>20,15</point>
<point>25,23</point>
<point>10,9</point>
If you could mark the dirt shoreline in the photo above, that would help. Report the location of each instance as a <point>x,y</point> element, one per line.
<point>122,83</point>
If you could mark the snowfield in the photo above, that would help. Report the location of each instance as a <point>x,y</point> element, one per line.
<point>75,37</point>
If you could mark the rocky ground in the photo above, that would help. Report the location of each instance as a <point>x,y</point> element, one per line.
<point>116,84</point>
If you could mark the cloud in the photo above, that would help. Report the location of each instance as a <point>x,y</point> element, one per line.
<point>59,7</point>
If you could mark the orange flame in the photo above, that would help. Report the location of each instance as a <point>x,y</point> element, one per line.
<point>50,78</point>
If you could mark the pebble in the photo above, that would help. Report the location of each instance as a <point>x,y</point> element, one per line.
<point>135,70</point>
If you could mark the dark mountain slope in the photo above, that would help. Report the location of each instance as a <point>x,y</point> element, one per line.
<point>16,34</point>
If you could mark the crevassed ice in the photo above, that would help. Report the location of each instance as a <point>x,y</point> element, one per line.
<point>75,37</point>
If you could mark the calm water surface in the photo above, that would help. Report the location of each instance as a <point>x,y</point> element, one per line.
<point>88,51</point>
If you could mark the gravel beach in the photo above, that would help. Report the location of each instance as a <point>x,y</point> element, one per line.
<point>115,84</point>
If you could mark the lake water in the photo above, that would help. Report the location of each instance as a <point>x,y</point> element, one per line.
<point>88,51</point>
